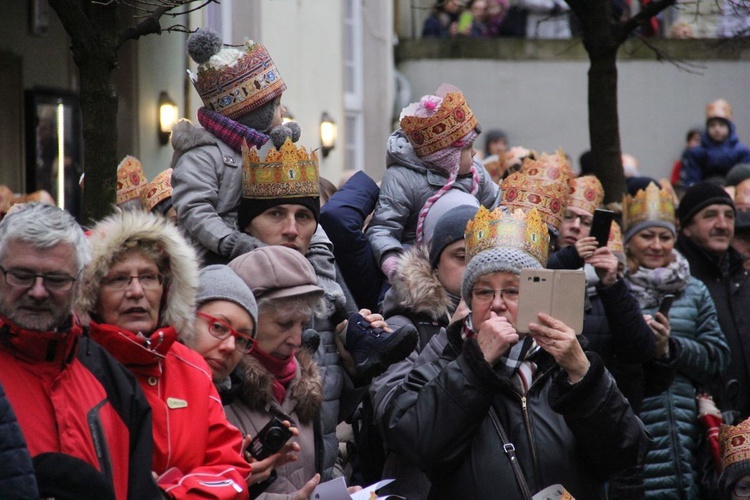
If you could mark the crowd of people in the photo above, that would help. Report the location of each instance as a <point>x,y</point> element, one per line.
<point>553,19</point>
<point>229,333</point>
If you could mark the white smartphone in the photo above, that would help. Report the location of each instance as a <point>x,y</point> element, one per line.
<point>560,293</point>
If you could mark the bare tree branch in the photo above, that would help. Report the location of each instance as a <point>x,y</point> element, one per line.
<point>153,11</point>
<point>75,21</point>
<point>689,67</point>
<point>646,13</point>
<point>147,26</point>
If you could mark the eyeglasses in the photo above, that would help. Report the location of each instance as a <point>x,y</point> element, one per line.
<point>586,220</point>
<point>221,330</point>
<point>486,295</point>
<point>742,489</point>
<point>21,278</point>
<point>119,282</point>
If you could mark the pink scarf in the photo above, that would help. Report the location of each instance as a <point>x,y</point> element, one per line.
<point>283,371</point>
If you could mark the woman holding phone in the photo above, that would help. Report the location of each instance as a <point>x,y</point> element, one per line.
<point>457,416</point>
<point>653,271</point>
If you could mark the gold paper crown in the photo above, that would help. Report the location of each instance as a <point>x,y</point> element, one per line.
<point>650,204</point>
<point>130,179</point>
<point>158,190</point>
<point>288,172</point>
<point>586,193</point>
<point>453,120</point>
<point>516,229</point>
<point>734,443</point>
<point>720,108</point>
<point>237,89</point>
<point>542,183</point>
<point>742,195</point>
<point>614,242</point>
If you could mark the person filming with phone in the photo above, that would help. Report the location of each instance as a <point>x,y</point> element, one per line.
<point>654,269</point>
<point>505,414</point>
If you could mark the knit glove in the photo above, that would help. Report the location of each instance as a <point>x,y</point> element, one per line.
<point>389,264</point>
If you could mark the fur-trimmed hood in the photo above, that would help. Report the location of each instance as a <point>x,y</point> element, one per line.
<point>109,238</point>
<point>416,287</point>
<point>186,136</point>
<point>306,388</point>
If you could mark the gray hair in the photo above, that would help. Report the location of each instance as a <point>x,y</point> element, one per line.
<point>44,226</point>
<point>310,303</point>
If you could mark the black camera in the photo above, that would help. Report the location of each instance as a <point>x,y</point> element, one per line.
<point>269,440</point>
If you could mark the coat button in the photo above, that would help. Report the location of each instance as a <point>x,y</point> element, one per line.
<point>229,159</point>
<point>152,381</point>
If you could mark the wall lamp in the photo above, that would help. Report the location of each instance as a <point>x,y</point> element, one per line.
<point>167,117</point>
<point>328,133</point>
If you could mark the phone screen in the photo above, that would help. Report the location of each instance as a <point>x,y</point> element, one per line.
<point>601,225</point>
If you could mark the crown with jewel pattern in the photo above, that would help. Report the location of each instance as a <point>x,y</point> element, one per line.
<point>650,204</point>
<point>287,172</point>
<point>158,190</point>
<point>236,89</point>
<point>513,229</point>
<point>542,183</point>
<point>586,193</point>
<point>734,443</point>
<point>130,179</point>
<point>453,120</point>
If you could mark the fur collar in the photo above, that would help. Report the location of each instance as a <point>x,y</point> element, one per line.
<point>109,237</point>
<point>415,286</point>
<point>186,136</point>
<point>306,389</point>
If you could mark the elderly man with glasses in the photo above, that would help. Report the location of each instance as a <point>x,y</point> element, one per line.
<point>69,395</point>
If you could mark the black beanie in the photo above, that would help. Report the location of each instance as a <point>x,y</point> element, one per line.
<point>698,197</point>
<point>250,208</point>
<point>449,228</point>
<point>638,183</point>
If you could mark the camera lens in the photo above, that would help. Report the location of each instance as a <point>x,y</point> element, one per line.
<point>275,439</point>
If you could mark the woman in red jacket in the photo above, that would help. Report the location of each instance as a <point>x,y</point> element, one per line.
<point>139,292</point>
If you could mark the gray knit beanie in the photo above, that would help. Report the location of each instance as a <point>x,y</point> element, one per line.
<point>219,282</point>
<point>260,118</point>
<point>493,260</point>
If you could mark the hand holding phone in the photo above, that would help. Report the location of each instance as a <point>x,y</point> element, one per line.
<point>601,225</point>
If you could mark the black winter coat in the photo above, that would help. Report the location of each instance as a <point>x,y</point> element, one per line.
<point>16,472</point>
<point>444,418</point>
<point>730,291</point>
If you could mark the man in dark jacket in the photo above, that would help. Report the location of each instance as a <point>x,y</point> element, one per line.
<point>69,395</point>
<point>707,216</point>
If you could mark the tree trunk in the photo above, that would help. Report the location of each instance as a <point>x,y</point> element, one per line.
<point>94,39</point>
<point>99,113</point>
<point>604,124</point>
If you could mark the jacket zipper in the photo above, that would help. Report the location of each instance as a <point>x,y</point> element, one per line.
<point>527,422</point>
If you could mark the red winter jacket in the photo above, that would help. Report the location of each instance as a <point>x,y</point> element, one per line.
<point>196,450</point>
<point>70,396</point>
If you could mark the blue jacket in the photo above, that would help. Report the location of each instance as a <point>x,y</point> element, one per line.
<point>342,218</point>
<point>672,416</point>
<point>17,478</point>
<point>713,158</point>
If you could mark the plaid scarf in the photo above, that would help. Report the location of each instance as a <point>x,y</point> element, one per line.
<point>229,131</point>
